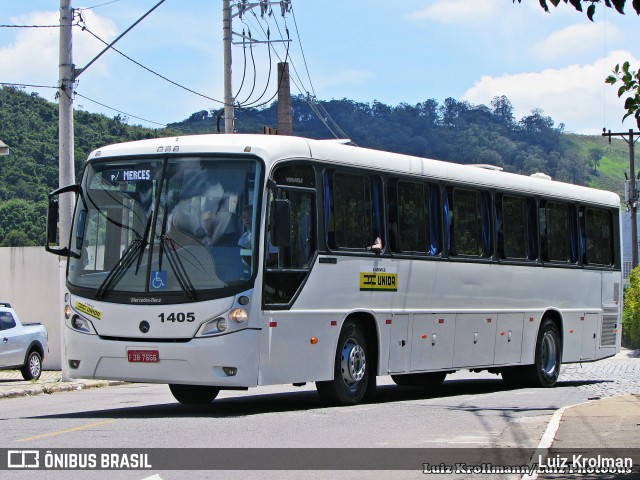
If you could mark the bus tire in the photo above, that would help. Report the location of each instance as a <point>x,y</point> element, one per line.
<point>352,373</point>
<point>32,368</point>
<point>194,394</point>
<point>548,358</point>
<point>427,379</point>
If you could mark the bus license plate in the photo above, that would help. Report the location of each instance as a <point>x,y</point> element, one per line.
<point>143,356</point>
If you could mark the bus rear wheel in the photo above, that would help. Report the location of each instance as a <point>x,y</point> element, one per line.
<point>194,394</point>
<point>352,374</point>
<point>428,379</point>
<point>548,358</point>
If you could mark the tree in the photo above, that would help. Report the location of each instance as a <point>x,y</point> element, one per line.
<point>631,311</point>
<point>594,157</point>
<point>630,84</point>
<point>591,9</point>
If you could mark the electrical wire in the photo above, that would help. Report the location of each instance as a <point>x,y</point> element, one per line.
<point>27,85</point>
<point>119,111</point>
<point>96,6</point>
<point>253,61</point>
<point>36,26</point>
<point>85,28</point>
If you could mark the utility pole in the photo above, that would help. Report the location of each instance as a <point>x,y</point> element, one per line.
<point>633,192</point>
<point>65,149</point>
<point>228,93</point>
<point>227,35</point>
<point>66,174</point>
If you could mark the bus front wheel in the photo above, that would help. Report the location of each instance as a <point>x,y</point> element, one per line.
<point>352,373</point>
<point>194,394</point>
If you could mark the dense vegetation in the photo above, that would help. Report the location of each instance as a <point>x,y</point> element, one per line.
<point>454,131</point>
<point>631,312</point>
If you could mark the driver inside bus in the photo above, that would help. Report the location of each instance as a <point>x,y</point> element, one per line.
<point>246,240</point>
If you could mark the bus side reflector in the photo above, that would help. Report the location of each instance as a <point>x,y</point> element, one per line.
<point>570,331</point>
<point>334,323</point>
<point>441,320</point>
<point>424,335</point>
<point>582,319</point>
<point>273,324</point>
<point>314,340</point>
<point>531,319</point>
<point>488,320</point>
<point>503,333</point>
<point>388,322</point>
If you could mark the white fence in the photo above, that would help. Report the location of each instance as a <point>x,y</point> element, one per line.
<point>31,281</point>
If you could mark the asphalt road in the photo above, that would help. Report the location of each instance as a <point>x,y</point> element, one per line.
<point>470,411</point>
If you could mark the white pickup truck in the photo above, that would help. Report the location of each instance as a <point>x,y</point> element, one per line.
<point>22,345</point>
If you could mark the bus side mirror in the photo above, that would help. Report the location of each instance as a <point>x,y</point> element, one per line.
<point>280,223</point>
<point>53,215</point>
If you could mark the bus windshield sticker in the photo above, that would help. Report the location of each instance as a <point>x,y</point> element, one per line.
<point>158,280</point>
<point>382,279</point>
<point>89,310</point>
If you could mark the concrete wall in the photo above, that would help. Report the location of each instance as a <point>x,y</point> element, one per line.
<point>31,280</point>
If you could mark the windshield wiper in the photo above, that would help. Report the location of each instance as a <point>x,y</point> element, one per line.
<point>116,274</point>
<point>135,249</point>
<point>177,267</point>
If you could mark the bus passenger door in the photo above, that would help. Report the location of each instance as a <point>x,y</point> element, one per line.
<point>432,342</point>
<point>399,347</point>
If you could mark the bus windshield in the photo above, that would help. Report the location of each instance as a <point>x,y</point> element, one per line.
<point>181,227</point>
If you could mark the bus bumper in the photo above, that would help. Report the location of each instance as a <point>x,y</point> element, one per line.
<point>225,361</point>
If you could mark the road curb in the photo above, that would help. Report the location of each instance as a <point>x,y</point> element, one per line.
<point>58,387</point>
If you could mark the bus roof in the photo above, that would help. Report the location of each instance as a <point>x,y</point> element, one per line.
<point>274,148</point>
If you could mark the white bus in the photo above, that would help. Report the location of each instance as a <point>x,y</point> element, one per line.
<point>219,262</point>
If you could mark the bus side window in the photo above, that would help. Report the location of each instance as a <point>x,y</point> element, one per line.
<point>470,223</point>
<point>354,209</point>
<point>558,232</point>
<point>598,237</point>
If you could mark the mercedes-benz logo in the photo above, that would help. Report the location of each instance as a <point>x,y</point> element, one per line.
<point>144,326</point>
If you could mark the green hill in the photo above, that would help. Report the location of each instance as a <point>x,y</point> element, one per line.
<point>452,131</point>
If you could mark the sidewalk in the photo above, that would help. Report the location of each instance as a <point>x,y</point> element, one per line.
<point>13,385</point>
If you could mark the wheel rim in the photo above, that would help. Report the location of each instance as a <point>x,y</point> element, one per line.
<point>549,354</point>
<point>353,363</point>
<point>34,365</point>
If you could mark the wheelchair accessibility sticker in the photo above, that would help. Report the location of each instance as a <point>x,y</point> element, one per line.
<point>158,280</point>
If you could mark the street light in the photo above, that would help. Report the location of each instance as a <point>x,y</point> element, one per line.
<point>4,148</point>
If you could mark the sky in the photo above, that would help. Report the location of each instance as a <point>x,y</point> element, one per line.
<point>362,50</point>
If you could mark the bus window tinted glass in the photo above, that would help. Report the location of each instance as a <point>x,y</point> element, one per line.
<point>467,223</point>
<point>599,240</point>
<point>413,217</point>
<point>514,227</point>
<point>556,229</point>
<point>352,207</point>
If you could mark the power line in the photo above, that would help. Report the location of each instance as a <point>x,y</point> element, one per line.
<point>27,85</point>
<point>119,111</point>
<point>96,6</point>
<point>35,26</point>
<point>85,28</point>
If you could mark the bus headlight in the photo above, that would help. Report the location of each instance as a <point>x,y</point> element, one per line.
<point>82,325</point>
<point>238,315</point>
<point>67,312</point>
<point>217,325</point>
